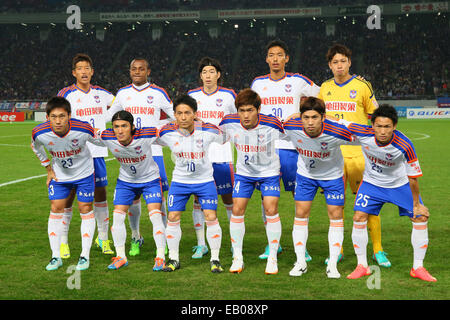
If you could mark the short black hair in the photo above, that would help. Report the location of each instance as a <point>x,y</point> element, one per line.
<point>278,43</point>
<point>140,59</point>
<point>313,103</point>
<point>185,99</point>
<point>387,111</point>
<point>125,116</point>
<point>57,102</point>
<point>81,57</point>
<point>338,48</point>
<point>208,61</point>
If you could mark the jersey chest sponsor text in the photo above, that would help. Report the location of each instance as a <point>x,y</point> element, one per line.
<point>66,153</point>
<point>277,100</point>
<point>132,160</point>
<point>89,111</point>
<point>141,110</point>
<point>343,106</point>
<point>210,114</point>
<point>250,148</point>
<point>380,161</point>
<point>313,154</point>
<point>190,155</point>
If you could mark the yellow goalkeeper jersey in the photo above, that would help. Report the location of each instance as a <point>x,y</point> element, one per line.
<point>352,100</point>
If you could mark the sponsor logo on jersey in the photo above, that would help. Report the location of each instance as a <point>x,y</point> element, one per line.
<point>132,160</point>
<point>277,100</point>
<point>66,153</point>
<point>141,110</point>
<point>380,161</point>
<point>89,111</point>
<point>210,114</point>
<point>190,155</point>
<point>352,94</point>
<point>313,154</point>
<point>341,106</point>
<point>250,148</point>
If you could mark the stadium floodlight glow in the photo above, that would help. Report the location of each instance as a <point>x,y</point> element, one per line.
<point>236,26</point>
<point>24,24</point>
<point>138,22</point>
<point>225,20</point>
<point>195,21</point>
<point>51,23</point>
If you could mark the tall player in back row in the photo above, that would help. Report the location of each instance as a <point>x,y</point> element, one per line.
<point>281,93</point>
<point>213,103</point>
<point>145,102</point>
<point>351,98</point>
<point>89,103</point>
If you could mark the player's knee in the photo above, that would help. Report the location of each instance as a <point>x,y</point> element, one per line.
<point>238,211</point>
<point>85,207</point>
<point>271,210</point>
<point>174,216</point>
<point>419,219</point>
<point>360,217</point>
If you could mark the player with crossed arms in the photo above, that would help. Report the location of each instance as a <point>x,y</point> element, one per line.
<point>71,167</point>
<point>138,175</point>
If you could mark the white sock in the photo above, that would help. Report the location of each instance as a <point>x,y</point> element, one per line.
<point>360,239</point>
<point>102,218</point>
<point>87,233</point>
<point>173,235</point>
<point>273,232</point>
<point>119,232</point>
<point>134,216</point>
<point>300,237</point>
<point>159,232</point>
<point>66,219</point>
<point>335,239</point>
<point>419,241</point>
<point>229,209</point>
<point>199,223</point>
<point>54,230</point>
<point>237,232</point>
<point>214,236</point>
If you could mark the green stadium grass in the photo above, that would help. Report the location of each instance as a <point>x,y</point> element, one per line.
<point>24,246</point>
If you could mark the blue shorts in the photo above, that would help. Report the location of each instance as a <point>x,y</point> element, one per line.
<point>288,167</point>
<point>84,189</point>
<point>179,194</point>
<point>126,192</point>
<point>371,198</point>
<point>101,178</point>
<point>244,186</point>
<point>334,190</point>
<point>224,177</point>
<point>162,172</point>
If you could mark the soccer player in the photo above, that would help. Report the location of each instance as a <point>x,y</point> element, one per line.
<point>258,166</point>
<point>145,102</point>
<point>351,98</point>
<point>280,93</point>
<point>89,103</point>
<point>214,102</point>
<point>189,141</point>
<point>138,175</point>
<point>390,175</point>
<point>71,167</point>
<point>320,165</point>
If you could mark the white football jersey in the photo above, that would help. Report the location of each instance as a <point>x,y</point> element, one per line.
<point>71,158</point>
<point>136,161</point>
<point>319,158</point>
<point>256,154</point>
<point>281,98</point>
<point>386,166</point>
<point>145,104</point>
<point>212,108</point>
<point>91,106</point>
<point>190,152</point>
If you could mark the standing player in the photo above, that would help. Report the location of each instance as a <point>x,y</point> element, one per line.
<point>71,167</point>
<point>138,175</point>
<point>214,102</point>
<point>320,165</point>
<point>280,93</point>
<point>351,98</point>
<point>390,175</point>
<point>258,166</point>
<point>189,142</point>
<point>145,102</point>
<point>89,103</point>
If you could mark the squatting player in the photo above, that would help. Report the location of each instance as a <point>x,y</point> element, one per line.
<point>320,165</point>
<point>258,166</point>
<point>71,167</point>
<point>145,102</point>
<point>138,175</point>
<point>89,103</point>
<point>213,103</point>
<point>189,141</point>
<point>390,175</point>
<point>351,98</point>
<point>280,93</point>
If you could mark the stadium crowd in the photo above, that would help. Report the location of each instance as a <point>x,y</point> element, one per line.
<point>408,63</point>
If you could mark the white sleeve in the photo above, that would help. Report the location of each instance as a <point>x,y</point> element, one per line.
<point>115,106</point>
<point>97,140</point>
<point>313,91</point>
<point>39,150</point>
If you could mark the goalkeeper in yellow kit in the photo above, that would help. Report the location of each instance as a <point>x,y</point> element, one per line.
<point>351,98</point>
